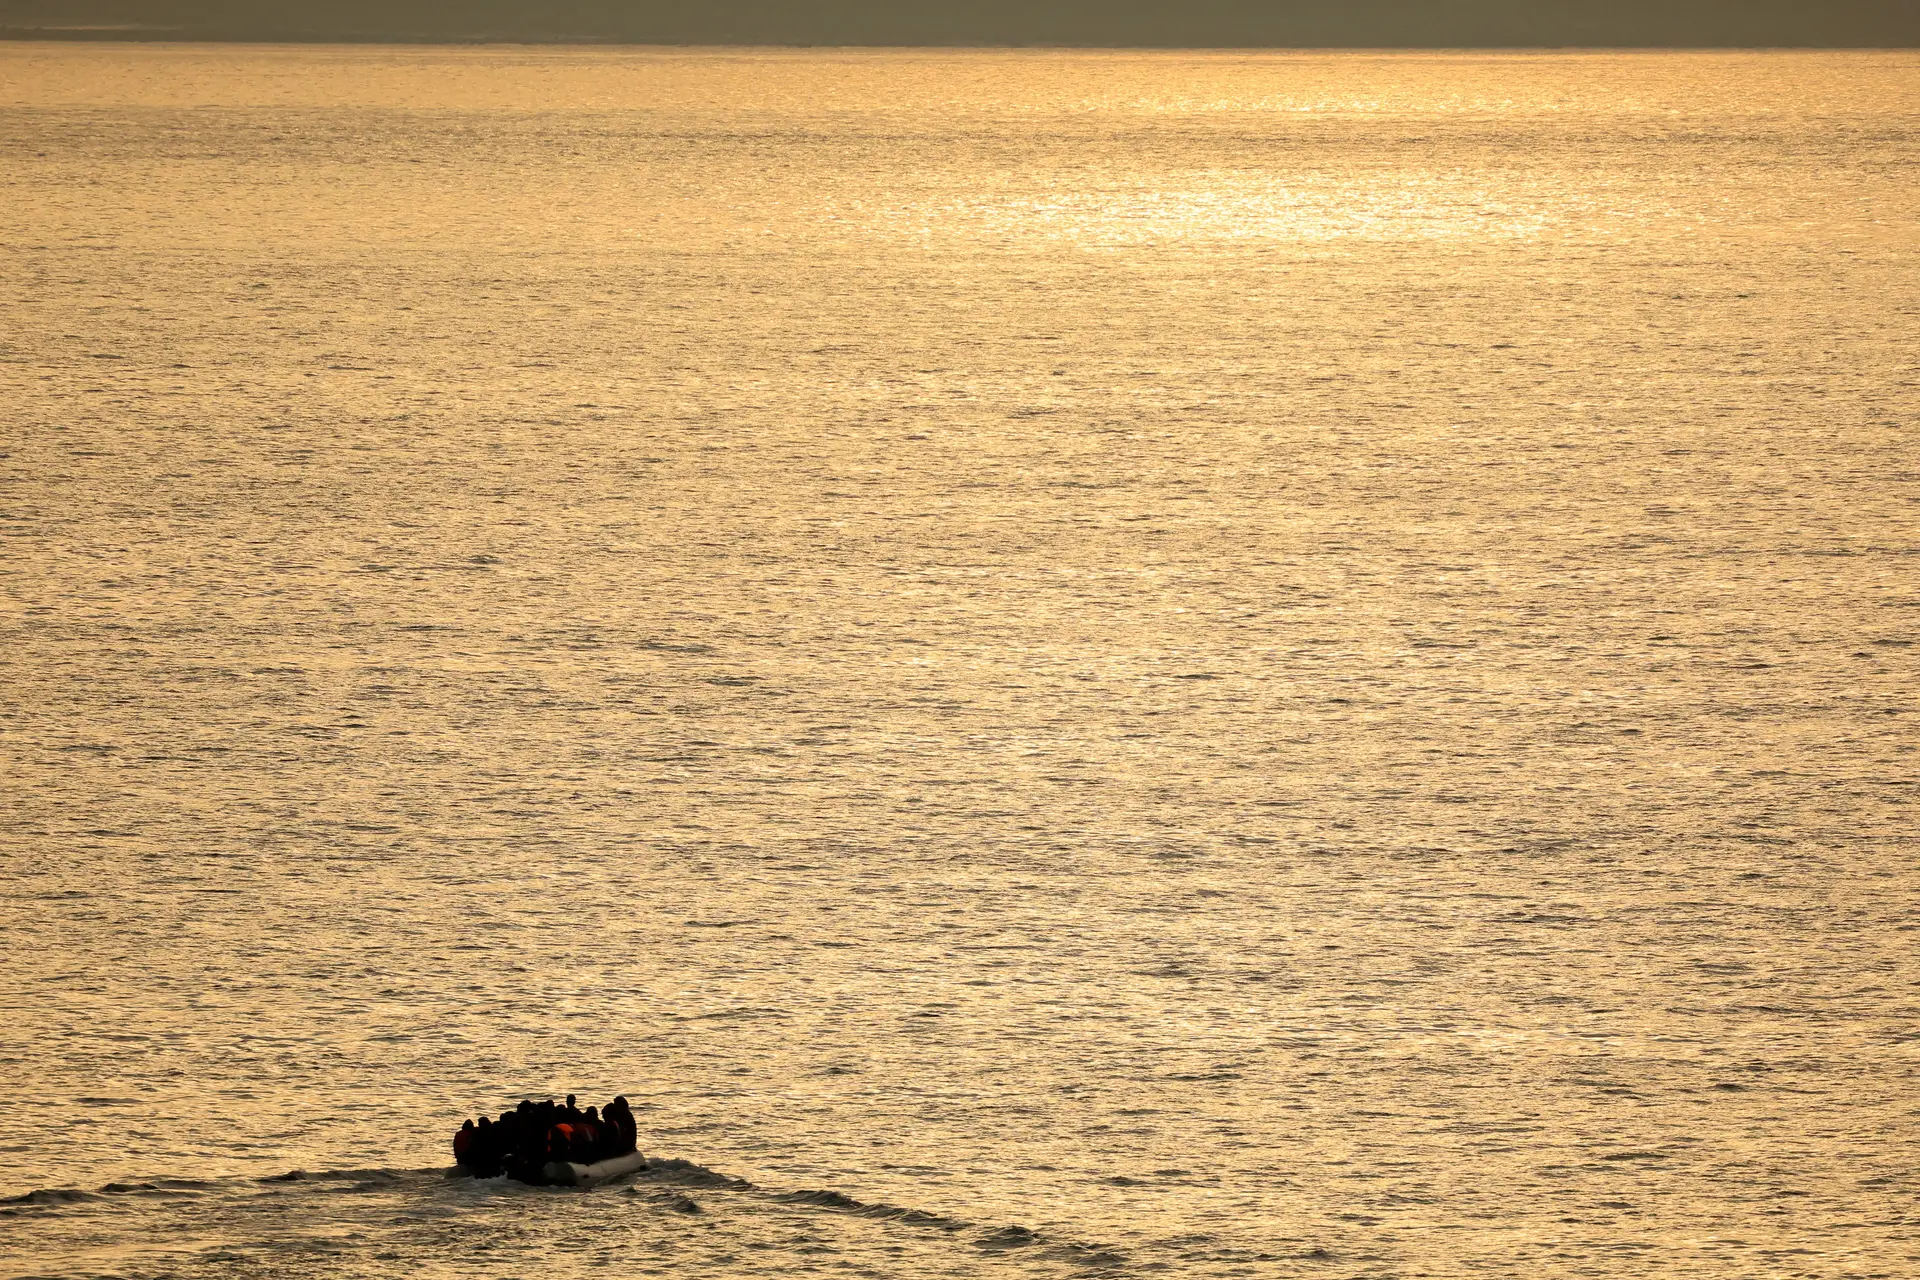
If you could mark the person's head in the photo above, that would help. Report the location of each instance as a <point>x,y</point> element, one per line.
<point>526,1105</point>
<point>569,1102</point>
<point>620,1101</point>
<point>485,1123</point>
<point>593,1113</point>
<point>467,1126</point>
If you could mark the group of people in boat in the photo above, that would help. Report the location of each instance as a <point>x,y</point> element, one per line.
<point>534,1134</point>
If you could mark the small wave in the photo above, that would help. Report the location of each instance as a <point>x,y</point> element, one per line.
<point>832,1199</point>
<point>891,1212</point>
<point>361,1175</point>
<point>1088,1257</point>
<point>53,1196</point>
<point>669,1200</point>
<point>164,1188</point>
<point>1093,1258</point>
<point>687,1173</point>
<point>742,1011</point>
<point>50,1197</point>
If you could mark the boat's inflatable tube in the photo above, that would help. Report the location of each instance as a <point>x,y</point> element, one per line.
<point>564,1173</point>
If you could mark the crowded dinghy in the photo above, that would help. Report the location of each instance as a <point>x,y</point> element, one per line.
<point>552,1144</point>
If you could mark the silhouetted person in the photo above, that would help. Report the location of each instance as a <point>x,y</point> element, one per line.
<point>530,1140</point>
<point>616,1132</point>
<point>606,1134</point>
<point>484,1157</point>
<point>624,1122</point>
<point>463,1144</point>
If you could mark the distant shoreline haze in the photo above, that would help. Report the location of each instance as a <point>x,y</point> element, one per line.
<point>1090,23</point>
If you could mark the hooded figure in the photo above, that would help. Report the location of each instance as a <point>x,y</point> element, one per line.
<point>463,1144</point>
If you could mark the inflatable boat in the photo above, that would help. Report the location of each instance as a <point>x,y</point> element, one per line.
<point>565,1173</point>
<point>561,1173</point>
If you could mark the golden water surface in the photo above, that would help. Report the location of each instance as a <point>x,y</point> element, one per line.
<point>1192,664</point>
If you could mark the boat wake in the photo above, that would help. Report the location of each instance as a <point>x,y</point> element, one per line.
<point>54,1197</point>
<point>667,1185</point>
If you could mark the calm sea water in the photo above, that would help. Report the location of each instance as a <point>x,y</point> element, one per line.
<point>1216,665</point>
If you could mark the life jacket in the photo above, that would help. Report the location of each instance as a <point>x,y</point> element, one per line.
<point>462,1146</point>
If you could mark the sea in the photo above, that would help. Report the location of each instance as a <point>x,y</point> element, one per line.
<point>1059,663</point>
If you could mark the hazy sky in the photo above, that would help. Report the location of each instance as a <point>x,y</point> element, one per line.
<point>1084,22</point>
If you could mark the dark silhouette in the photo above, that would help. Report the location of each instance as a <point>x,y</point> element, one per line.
<point>463,1143</point>
<point>524,1140</point>
<point>624,1125</point>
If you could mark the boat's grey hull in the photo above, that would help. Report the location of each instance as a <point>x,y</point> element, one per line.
<point>564,1173</point>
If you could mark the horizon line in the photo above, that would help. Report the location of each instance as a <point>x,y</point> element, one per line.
<point>143,34</point>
